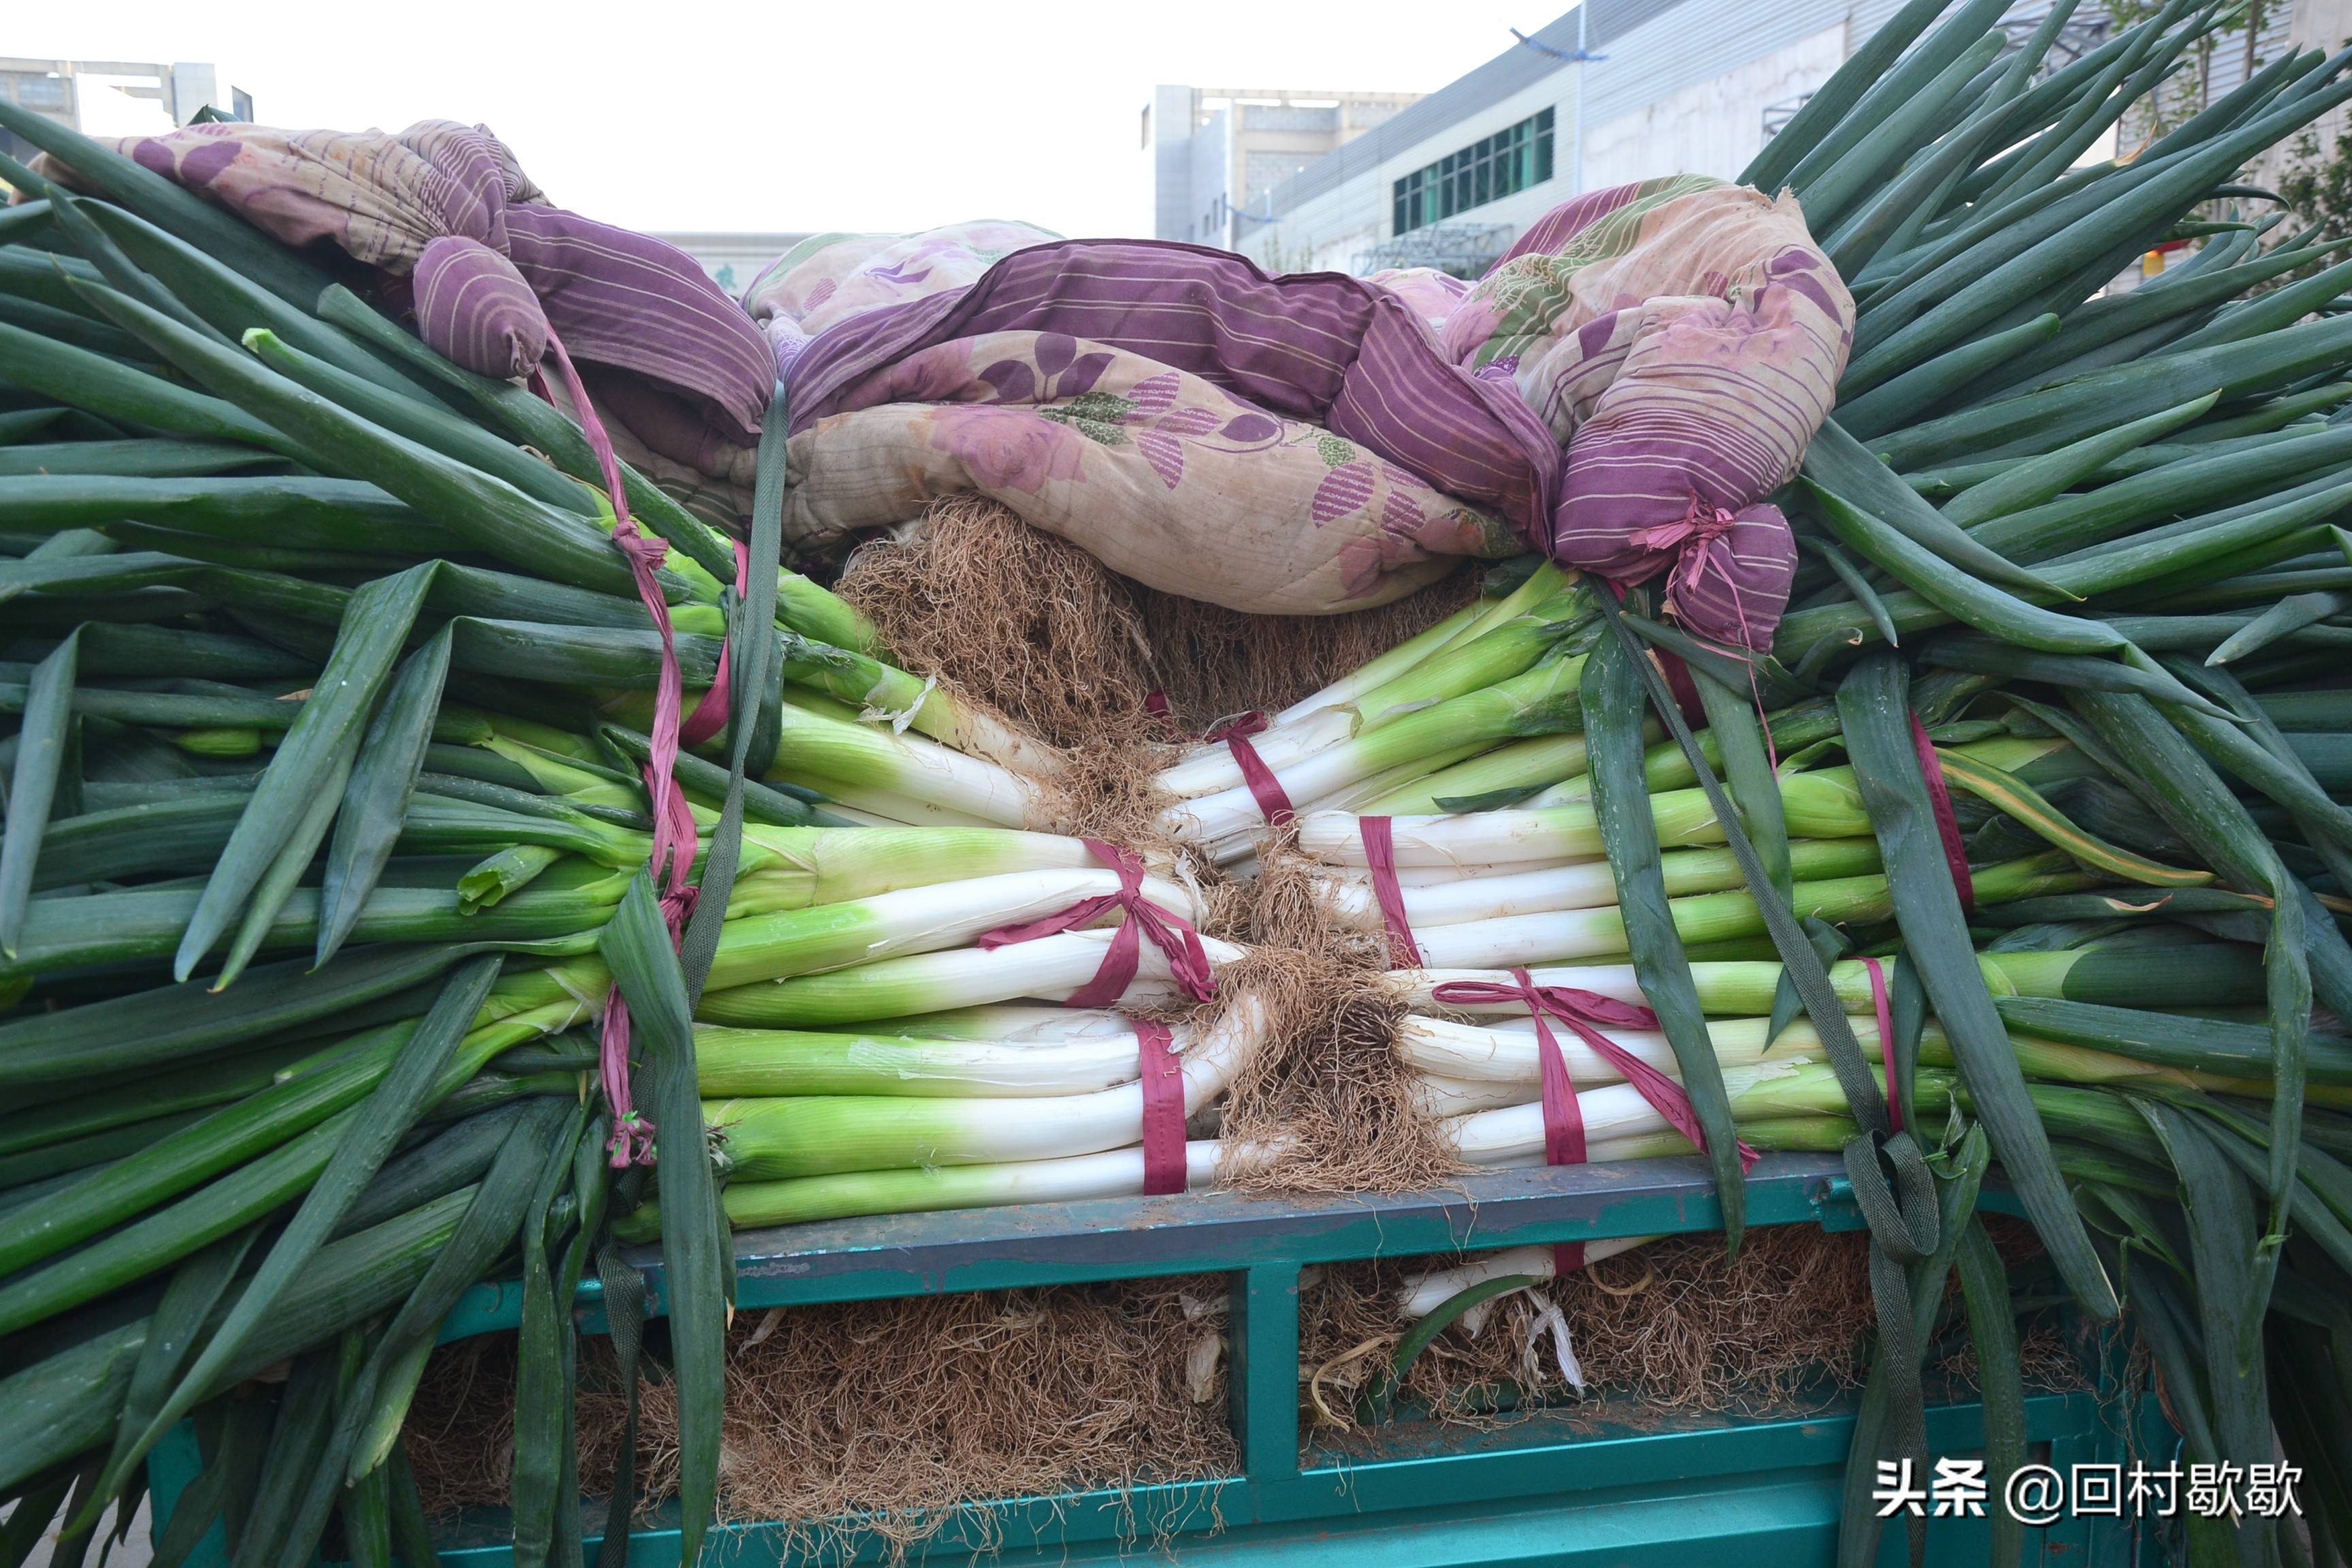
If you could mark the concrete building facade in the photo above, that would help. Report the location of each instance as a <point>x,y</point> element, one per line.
<point>1216,153</point>
<point>732,260</point>
<point>1613,92</point>
<point>56,89</point>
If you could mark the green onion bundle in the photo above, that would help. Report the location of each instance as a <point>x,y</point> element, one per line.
<point>329,715</point>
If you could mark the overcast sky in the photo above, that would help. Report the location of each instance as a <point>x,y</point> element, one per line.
<point>856,115</point>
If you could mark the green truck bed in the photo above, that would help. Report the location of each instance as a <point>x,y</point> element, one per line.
<point>1554,1488</point>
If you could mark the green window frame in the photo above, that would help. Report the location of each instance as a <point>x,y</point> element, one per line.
<point>1489,169</point>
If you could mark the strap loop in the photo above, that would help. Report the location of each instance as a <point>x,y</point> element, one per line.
<point>1581,1011</point>
<point>1948,827</point>
<point>1879,1005</point>
<point>1380,852</point>
<point>1272,801</point>
<point>1900,1213</point>
<point>1164,1108</point>
<point>1187,959</point>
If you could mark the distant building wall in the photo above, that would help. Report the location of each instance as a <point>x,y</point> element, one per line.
<point>57,90</point>
<point>732,261</point>
<point>1666,87</point>
<point>1217,154</point>
<point>1714,127</point>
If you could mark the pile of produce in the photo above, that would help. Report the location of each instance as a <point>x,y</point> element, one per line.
<point>408,853</point>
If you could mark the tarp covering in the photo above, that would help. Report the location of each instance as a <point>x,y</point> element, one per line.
<point>621,300</point>
<point>1622,392</point>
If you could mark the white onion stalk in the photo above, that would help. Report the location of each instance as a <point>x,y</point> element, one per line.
<point>1512,1056</point>
<point>1818,806</point>
<point>1051,967</point>
<point>912,920</point>
<point>1544,761</point>
<point>1516,940</point>
<point>1114,1174</point>
<point>1486,837</point>
<point>1356,796</point>
<point>1589,885</point>
<point>1540,702</point>
<point>1242,842</point>
<point>1008,1022</point>
<point>816,1135</point>
<point>824,739</point>
<point>1725,989</point>
<point>902,702</point>
<point>863,806</point>
<point>1763,1091</point>
<point>1211,767</point>
<point>1448,1097</point>
<point>1616,981</point>
<point>1472,619</point>
<point>882,693</point>
<point>793,868</point>
<point>1460,1068</point>
<point>1441,875</point>
<point>737,1063</point>
<point>1450,894</point>
<point>1513,941</point>
<point>1427,1292</point>
<point>1581,887</point>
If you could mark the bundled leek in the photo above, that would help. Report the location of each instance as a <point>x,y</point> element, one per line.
<point>335,719</point>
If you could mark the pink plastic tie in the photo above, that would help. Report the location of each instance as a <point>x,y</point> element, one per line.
<point>675,835</point>
<point>1380,851</point>
<point>1272,801</point>
<point>1685,691</point>
<point>710,715</point>
<point>1948,827</point>
<point>1879,1005</point>
<point>1164,1108</point>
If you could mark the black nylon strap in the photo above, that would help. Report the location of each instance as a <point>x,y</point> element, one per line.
<point>624,1318</point>
<point>1906,1434</point>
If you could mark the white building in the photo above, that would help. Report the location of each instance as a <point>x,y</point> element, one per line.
<point>732,260</point>
<point>1663,87</point>
<point>63,91</point>
<point>1218,152</point>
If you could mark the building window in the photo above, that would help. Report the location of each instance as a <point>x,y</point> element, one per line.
<point>1487,170</point>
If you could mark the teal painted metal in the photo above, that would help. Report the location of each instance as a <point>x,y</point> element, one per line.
<point>1208,1233</point>
<point>1262,1381</point>
<point>172,1465</point>
<point>1547,1489</point>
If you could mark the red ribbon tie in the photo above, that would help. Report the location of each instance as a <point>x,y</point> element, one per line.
<point>1380,851</point>
<point>1164,1108</point>
<point>675,835</point>
<point>1187,959</point>
<point>1582,1011</point>
<point>1948,827</point>
<point>1273,802</point>
<point>1885,1038</point>
<point>710,715</point>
